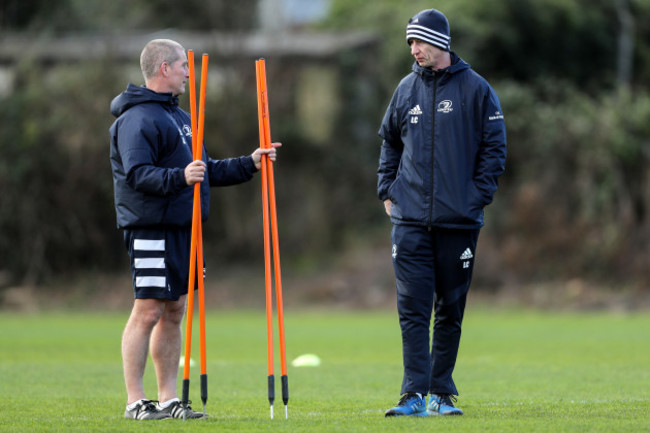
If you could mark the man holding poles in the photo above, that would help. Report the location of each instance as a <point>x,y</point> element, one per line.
<point>153,177</point>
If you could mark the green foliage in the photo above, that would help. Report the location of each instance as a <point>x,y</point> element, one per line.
<point>517,370</point>
<point>55,173</point>
<point>527,40</point>
<point>577,175</point>
<point>92,16</point>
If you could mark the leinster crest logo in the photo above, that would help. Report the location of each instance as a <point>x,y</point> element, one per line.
<point>445,106</point>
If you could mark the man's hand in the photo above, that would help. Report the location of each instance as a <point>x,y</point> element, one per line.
<point>387,205</point>
<point>195,172</point>
<point>257,155</point>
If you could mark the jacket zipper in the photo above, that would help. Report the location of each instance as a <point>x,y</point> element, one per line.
<point>433,133</point>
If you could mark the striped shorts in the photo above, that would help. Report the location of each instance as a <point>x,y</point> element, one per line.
<point>160,261</point>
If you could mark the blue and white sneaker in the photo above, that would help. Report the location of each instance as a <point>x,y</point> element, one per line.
<point>410,404</point>
<point>442,405</point>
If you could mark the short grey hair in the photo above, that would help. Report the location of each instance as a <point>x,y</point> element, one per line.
<point>157,52</point>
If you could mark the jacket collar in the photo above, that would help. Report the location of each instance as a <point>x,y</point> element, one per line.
<point>134,95</point>
<point>457,64</point>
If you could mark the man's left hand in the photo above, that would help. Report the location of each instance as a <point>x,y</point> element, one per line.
<point>272,153</point>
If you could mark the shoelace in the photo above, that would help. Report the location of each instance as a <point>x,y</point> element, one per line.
<point>147,405</point>
<point>448,399</point>
<point>402,401</point>
<point>189,402</point>
<point>179,404</point>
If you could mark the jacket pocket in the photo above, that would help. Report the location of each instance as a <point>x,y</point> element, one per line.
<point>395,196</point>
<point>476,201</point>
<point>392,189</point>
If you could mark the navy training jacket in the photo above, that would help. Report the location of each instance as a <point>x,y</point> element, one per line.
<point>151,144</point>
<point>444,147</point>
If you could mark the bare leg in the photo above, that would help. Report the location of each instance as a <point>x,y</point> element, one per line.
<point>166,348</point>
<point>135,343</point>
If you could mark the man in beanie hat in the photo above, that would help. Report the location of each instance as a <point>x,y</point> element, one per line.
<point>444,147</point>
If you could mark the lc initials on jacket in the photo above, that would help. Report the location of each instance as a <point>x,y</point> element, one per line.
<point>444,147</point>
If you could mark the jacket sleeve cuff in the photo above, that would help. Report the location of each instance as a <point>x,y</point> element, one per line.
<point>179,179</point>
<point>249,165</point>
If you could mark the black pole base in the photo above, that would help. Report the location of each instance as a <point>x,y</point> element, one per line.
<point>186,392</point>
<point>285,389</point>
<point>271,386</point>
<point>204,390</point>
<point>185,396</point>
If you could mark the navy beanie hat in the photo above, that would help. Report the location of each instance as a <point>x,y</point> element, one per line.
<point>430,26</point>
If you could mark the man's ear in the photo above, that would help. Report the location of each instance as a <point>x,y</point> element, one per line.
<point>163,69</point>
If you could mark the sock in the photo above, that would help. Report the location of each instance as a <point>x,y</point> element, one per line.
<point>168,402</point>
<point>134,404</point>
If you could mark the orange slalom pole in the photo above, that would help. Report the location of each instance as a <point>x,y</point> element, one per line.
<point>198,154</point>
<point>268,178</point>
<point>274,233</point>
<point>261,107</point>
<point>276,251</point>
<point>278,279</point>
<point>192,274</point>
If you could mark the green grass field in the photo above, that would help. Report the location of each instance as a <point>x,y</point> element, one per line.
<point>518,371</point>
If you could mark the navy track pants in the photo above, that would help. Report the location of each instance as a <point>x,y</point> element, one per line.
<point>433,271</point>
